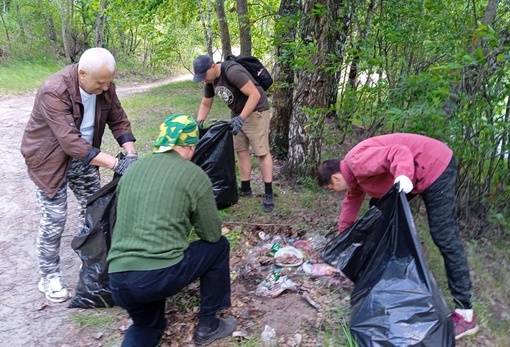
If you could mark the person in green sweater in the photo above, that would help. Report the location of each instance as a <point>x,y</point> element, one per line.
<point>160,199</point>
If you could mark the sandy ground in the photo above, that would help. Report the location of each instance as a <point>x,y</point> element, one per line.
<point>27,319</point>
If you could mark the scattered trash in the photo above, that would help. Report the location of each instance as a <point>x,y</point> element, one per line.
<point>304,244</point>
<point>271,288</point>
<point>276,274</point>
<point>263,236</point>
<point>268,336</point>
<point>293,341</point>
<point>312,302</point>
<point>288,256</point>
<point>319,269</point>
<point>317,240</point>
<point>275,248</point>
<point>241,334</point>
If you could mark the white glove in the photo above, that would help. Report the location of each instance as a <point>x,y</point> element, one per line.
<point>405,184</point>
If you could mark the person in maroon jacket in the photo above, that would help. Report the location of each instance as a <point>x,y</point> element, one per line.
<point>61,147</point>
<point>421,165</point>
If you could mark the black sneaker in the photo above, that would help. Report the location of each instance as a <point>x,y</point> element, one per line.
<point>226,327</point>
<point>268,202</point>
<point>244,193</point>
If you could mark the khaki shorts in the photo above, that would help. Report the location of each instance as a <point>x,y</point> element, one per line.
<point>255,132</point>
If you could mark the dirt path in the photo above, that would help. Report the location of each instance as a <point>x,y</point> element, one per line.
<point>27,318</point>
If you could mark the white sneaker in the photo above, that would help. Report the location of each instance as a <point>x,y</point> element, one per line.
<point>53,288</point>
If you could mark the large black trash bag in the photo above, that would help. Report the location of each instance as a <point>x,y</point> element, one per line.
<point>214,153</point>
<point>396,300</point>
<point>92,244</point>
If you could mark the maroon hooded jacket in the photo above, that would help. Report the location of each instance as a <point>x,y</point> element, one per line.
<point>372,166</point>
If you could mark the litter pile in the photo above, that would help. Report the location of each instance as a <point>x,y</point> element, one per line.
<point>283,265</point>
<point>285,286</point>
<point>281,290</point>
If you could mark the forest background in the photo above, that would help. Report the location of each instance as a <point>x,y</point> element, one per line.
<point>343,70</point>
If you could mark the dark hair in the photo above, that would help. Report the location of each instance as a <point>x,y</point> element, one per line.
<point>327,169</point>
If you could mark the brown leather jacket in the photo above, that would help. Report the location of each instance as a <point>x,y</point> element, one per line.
<point>52,136</point>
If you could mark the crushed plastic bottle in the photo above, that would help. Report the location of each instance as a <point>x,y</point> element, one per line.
<point>268,336</point>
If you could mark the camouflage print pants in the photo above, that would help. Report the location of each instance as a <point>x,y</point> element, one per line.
<point>439,200</point>
<point>84,181</point>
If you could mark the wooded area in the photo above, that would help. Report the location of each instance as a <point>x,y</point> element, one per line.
<point>438,68</point>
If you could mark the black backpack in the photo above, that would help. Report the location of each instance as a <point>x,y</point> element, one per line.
<point>255,68</point>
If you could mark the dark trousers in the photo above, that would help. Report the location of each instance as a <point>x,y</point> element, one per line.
<point>440,203</point>
<point>143,293</point>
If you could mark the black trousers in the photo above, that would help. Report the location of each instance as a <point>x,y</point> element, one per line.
<point>143,293</point>
<point>440,203</point>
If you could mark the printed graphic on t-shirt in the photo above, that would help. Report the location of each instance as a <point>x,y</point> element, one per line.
<point>225,94</point>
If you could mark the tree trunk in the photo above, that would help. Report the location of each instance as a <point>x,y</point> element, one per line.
<point>65,37</point>
<point>244,27</point>
<point>206,25</point>
<point>20,16</point>
<point>283,74</point>
<point>317,87</point>
<point>226,46</point>
<point>3,50</point>
<point>100,23</point>
<point>353,72</point>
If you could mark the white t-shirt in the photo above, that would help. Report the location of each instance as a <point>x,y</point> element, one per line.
<point>89,115</point>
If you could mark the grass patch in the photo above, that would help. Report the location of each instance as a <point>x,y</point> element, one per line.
<point>98,319</point>
<point>21,77</point>
<point>336,326</point>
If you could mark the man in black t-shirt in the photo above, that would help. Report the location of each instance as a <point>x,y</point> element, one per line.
<point>250,117</point>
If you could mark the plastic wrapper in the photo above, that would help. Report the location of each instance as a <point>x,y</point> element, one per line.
<point>395,300</point>
<point>214,153</point>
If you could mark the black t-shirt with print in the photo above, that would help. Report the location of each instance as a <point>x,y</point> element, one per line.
<point>228,86</point>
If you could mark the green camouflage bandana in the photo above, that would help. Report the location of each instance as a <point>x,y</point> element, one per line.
<point>178,129</point>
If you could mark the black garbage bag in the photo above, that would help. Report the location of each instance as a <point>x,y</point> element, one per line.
<point>395,300</point>
<point>92,244</point>
<point>214,153</point>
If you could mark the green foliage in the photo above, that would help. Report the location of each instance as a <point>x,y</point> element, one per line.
<point>431,68</point>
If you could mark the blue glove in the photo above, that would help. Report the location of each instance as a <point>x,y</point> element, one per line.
<point>124,162</point>
<point>236,124</point>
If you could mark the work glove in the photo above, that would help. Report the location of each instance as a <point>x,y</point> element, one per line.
<point>123,163</point>
<point>236,124</point>
<point>200,125</point>
<point>405,184</point>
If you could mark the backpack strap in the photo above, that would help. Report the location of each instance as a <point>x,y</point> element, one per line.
<point>224,66</point>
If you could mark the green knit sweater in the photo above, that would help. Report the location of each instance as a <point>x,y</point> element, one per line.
<point>159,199</point>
